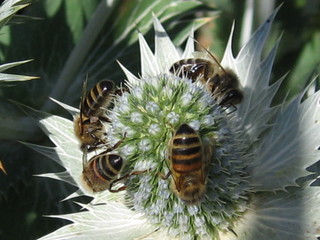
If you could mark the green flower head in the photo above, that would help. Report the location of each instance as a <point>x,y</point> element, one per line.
<point>248,183</point>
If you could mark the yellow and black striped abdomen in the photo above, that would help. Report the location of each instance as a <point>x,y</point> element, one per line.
<point>98,97</point>
<point>106,167</point>
<point>186,150</point>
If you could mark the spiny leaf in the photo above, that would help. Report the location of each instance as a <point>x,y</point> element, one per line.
<point>14,78</point>
<point>291,145</point>
<point>9,8</point>
<point>117,220</point>
<point>290,215</point>
<point>4,77</point>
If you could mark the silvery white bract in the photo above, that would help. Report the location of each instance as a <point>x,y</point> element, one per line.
<point>7,10</point>
<point>257,185</point>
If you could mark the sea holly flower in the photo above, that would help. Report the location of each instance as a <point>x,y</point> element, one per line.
<point>257,184</point>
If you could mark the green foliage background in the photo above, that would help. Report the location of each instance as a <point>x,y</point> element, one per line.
<point>68,39</point>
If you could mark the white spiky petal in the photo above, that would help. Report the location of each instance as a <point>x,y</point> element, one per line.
<point>259,151</point>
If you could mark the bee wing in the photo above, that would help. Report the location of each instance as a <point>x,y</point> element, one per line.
<point>168,162</point>
<point>168,153</point>
<point>208,154</point>
<point>84,157</point>
<point>82,98</point>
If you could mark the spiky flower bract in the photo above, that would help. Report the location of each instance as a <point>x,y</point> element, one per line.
<point>258,155</point>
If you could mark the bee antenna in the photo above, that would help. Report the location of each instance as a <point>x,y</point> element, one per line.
<point>210,54</point>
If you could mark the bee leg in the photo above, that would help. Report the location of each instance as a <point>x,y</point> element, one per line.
<point>117,143</point>
<point>93,147</point>
<point>231,230</point>
<point>234,109</point>
<point>104,119</point>
<point>176,70</point>
<point>183,72</point>
<point>116,190</point>
<point>146,236</point>
<point>164,177</point>
<point>121,90</point>
<point>88,148</point>
<point>92,134</point>
<point>124,177</point>
<point>228,106</point>
<point>98,141</point>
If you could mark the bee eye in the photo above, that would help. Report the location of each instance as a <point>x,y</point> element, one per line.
<point>216,80</point>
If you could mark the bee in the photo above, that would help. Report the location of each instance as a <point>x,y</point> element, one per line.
<point>88,126</point>
<point>102,170</point>
<point>221,82</point>
<point>188,165</point>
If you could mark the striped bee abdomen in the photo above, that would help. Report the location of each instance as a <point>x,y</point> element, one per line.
<point>98,97</point>
<point>186,150</point>
<point>106,166</point>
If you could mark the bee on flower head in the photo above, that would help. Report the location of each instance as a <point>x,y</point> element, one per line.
<point>102,171</point>
<point>88,125</point>
<point>222,82</point>
<point>188,161</point>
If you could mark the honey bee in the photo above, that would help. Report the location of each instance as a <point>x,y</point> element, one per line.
<point>102,170</point>
<point>88,126</point>
<point>222,83</point>
<point>188,165</point>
